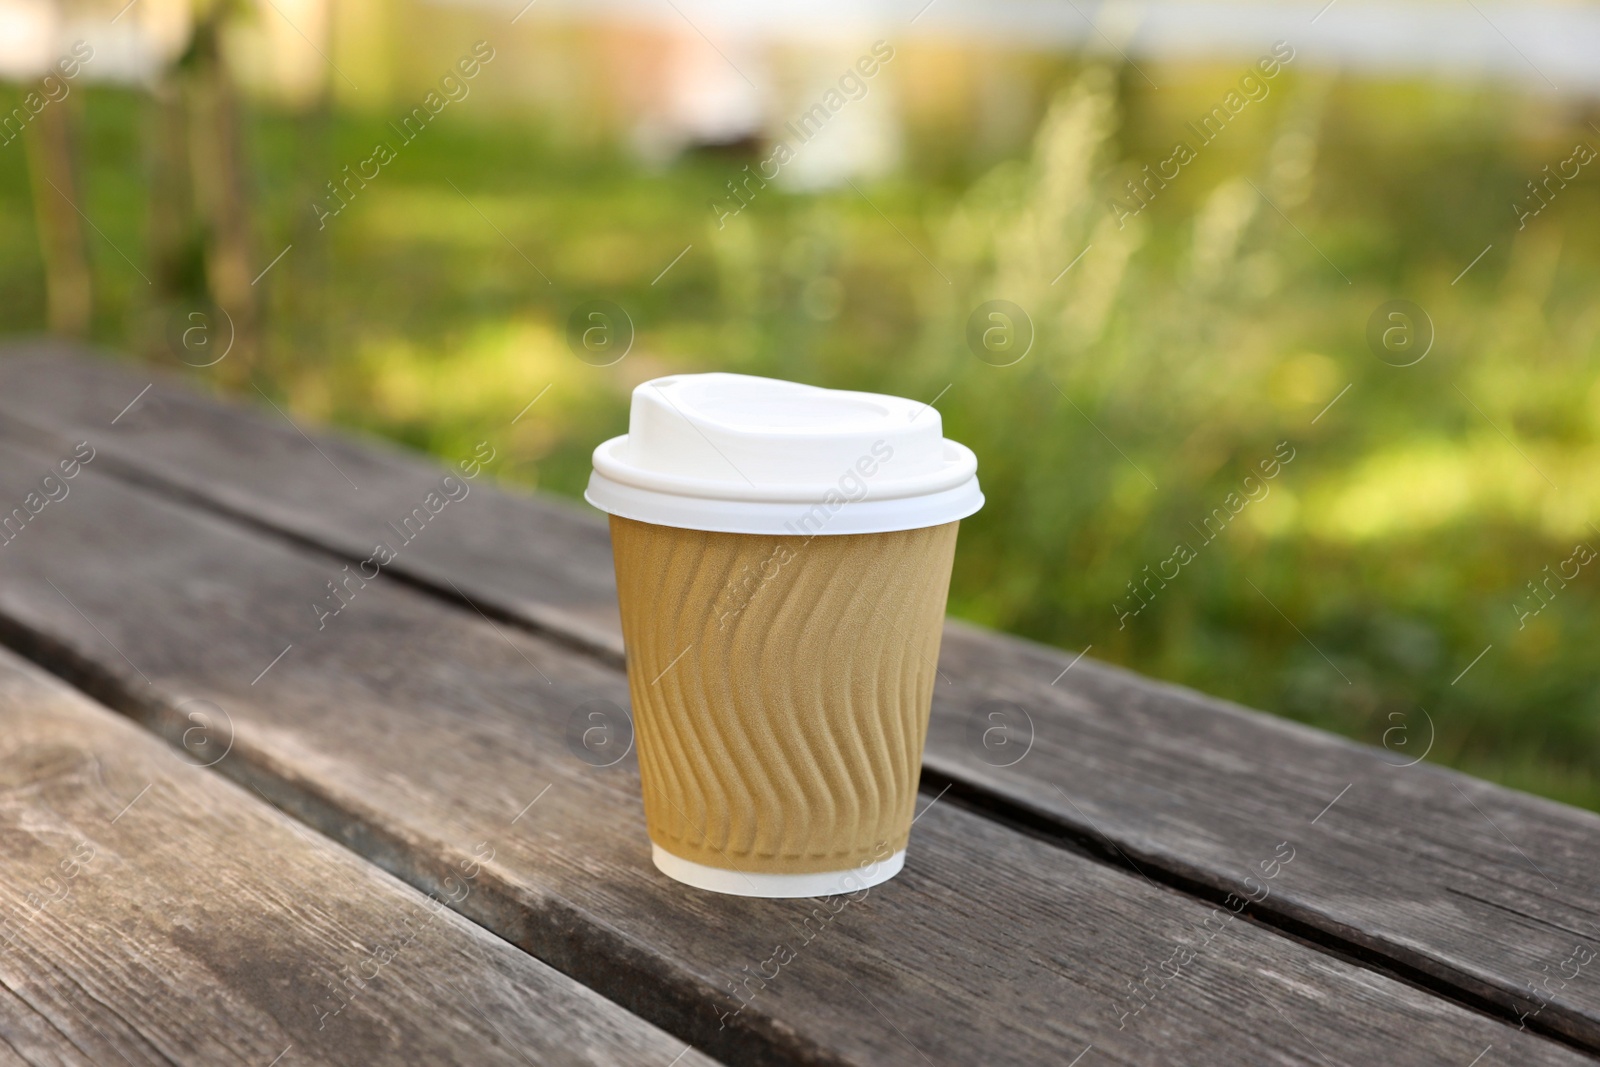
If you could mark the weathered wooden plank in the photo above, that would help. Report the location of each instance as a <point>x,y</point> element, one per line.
<point>1455,883</point>
<point>417,733</point>
<point>153,912</point>
<point>332,491</point>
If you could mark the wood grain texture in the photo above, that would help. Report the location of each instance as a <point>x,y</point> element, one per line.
<point>153,912</point>
<point>415,732</point>
<point>1419,869</point>
<point>1455,881</point>
<point>342,491</point>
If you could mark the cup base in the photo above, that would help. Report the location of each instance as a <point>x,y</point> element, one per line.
<point>755,884</point>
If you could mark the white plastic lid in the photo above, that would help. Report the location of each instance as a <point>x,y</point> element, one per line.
<point>739,454</point>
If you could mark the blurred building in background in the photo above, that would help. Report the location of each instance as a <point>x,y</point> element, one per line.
<point>663,76</point>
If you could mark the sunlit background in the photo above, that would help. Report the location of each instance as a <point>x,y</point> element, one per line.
<point>399,204</point>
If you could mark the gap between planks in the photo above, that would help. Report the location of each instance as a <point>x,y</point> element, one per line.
<point>1049,828</point>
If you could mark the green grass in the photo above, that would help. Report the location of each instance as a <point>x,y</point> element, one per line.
<point>1169,362</point>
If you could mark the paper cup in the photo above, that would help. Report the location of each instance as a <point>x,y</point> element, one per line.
<point>782,650</point>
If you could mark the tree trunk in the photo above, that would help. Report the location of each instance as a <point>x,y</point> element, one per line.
<point>61,232</point>
<point>216,152</point>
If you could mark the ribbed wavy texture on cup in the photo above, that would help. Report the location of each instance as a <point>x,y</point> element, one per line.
<point>781,688</point>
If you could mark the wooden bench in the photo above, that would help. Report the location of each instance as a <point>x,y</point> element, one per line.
<point>1140,875</point>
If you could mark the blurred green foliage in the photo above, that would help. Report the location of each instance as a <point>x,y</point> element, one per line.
<point>1169,362</point>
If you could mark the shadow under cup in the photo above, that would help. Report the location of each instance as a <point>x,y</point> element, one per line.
<point>781,688</point>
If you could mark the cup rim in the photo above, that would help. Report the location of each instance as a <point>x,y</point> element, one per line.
<point>816,516</point>
<point>960,465</point>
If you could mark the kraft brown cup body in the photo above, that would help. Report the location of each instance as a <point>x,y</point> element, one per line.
<point>781,687</point>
